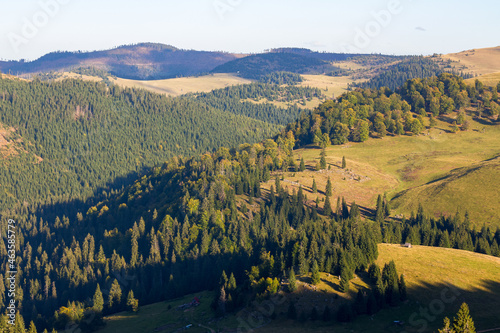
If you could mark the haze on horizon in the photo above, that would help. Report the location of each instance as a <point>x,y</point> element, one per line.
<point>33,28</point>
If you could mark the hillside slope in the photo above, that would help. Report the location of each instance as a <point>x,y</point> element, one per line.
<point>473,189</point>
<point>478,61</point>
<point>143,61</point>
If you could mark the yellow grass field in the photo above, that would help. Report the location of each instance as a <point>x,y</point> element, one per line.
<point>395,164</point>
<point>491,79</point>
<point>184,85</point>
<point>331,86</point>
<point>478,61</point>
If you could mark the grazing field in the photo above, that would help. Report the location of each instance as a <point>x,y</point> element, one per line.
<point>184,85</point>
<point>431,275</point>
<point>392,165</point>
<point>478,61</point>
<point>474,188</point>
<point>330,85</point>
<point>491,79</point>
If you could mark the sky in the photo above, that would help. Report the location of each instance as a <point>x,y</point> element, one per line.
<point>32,28</point>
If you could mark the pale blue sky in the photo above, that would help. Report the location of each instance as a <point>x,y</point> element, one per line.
<point>414,27</point>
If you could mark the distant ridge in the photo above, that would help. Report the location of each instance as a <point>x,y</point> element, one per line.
<point>145,61</point>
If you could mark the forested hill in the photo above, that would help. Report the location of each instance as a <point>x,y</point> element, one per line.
<point>258,65</point>
<point>144,61</point>
<point>362,113</point>
<point>73,137</point>
<point>409,68</point>
<point>205,223</point>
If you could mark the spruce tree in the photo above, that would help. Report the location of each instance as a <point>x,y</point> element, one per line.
<point>344,279</point>
<point>322,160</point>
<point>98,301</point>
<point>132,303</point>
<point>292,281</point>
<point>463,322</point>
<point>343,162</point>
<point>328,189</point>
<point>327,208</point>
<point>402,288</point>
<point>32,328</point>
<point>314,186</point>
<point>447,328</point>
<point>315,279</point>
<point>302,166</point>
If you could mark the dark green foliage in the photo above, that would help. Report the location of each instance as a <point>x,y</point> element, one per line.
<point>345,313</point>
<point>322,160</point>
<point>402,288</point>
<point>395,75</point>
<point>463,322</point>
<point>259,65</point>
<point>328,188</point>
<point>98,301</point>
<point>343,162</point>
<point>282,78</point>
<point>350,116</point>
<point>90,136</point>
<point>327,208</point>
<point>344,280</point>
<point>315,279</point>
<point>233,100</point>
<point>132,303</point>
<point>292,281</point>
<point>302,166</point>
<point>314,186</point>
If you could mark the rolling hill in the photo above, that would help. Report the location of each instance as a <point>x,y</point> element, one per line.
<point>429,273</point>
<point>473,189</point>
<point>143,61</point>
<point>257,65</point>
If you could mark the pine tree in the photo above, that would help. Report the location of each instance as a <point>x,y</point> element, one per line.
<point>402,288</point>
<point>132,303</point>
<point>32,328</point>
<point>343,162</point>
<point>314,186</point>
<point>315,280</point>
<point>344,279</point>
<point>303,266</point>
<point>302,166</point>
<point>292,281</point>
<point>231,283</point>
<point>463,322</point>
<point>115,294</point>
<point>221,303</point>
<point>328,189</point>
<point>447,328</point>
<point>327,208</point>
<point>98,301</point>
<point>322,160</point>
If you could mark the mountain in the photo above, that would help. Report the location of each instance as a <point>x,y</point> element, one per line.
<point>74,137</point>
<point>258,65</point>
<point>144,61</point>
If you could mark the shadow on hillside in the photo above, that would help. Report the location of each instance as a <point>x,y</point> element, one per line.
<point>70,208</point>
<point>433,302</point>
